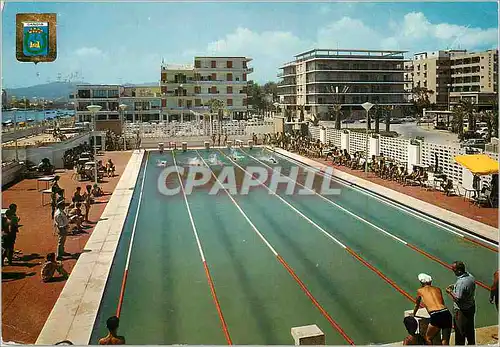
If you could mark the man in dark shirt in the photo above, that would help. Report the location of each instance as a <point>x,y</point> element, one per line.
<point>464,304</point>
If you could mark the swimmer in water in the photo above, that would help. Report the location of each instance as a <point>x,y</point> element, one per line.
<point>272,160</point>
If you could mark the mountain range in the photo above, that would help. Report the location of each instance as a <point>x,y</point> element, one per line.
<point>53,91</point>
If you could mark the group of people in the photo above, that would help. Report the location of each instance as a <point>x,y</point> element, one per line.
<point>216,139</point>
<point>462,292</point>
<point>72,155</point>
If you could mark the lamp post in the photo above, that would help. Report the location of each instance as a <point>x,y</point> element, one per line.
<point>367,106</point>
<point>15,132</point>
<point>123,107</point>
<point>93,109</point>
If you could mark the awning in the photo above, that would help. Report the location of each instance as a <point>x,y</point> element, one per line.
<point>478,164</point>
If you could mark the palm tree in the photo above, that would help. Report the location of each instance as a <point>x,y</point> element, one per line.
<point>458,121</point>
<point>338,114</point>
<point>376,116</point>
<point>468,109</point>
<point>217,106</point>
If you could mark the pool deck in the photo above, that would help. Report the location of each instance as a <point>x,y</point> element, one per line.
<point>74,313</point>
<point>26,300</point>
<point>459,214</point>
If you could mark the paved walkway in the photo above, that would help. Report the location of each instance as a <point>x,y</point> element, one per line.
<point>26,300</point>
<point>455,204</point>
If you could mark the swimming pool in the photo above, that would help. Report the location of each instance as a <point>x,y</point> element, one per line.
<point>209,269</point>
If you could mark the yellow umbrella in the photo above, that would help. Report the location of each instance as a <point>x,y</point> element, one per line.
<point>478,164</point>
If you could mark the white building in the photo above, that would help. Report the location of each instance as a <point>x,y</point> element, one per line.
<point>187,89</point>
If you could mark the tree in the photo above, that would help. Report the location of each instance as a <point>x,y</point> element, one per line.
<point>420,99</point>
<point>457,126</point>
<point>468,109</point>
<point>217,106</point>
<point>376,115</point>
<point>335,109</point>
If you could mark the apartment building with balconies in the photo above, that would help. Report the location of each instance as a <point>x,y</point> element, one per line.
<point>187,89</point>
<point>453,75</point>
<point>319,78</point>
<point>143,104</point>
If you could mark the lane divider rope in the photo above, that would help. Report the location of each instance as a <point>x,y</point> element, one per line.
<point>203,259</point>
<point>349,250</point>
<point>334,324</point>
<point>472,238</point>
<point>434,258</point>
<point>129,253</point>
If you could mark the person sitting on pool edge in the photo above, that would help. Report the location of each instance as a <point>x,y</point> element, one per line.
<point>112,338</point>
<point>433,301</point>
<point>413,338</point>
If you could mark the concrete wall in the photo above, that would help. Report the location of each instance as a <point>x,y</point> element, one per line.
<point>54,152</point>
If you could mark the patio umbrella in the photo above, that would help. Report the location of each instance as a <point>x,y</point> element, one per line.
<point>478,164</point>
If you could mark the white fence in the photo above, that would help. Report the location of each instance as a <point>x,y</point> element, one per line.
<point>393,147</point>
<point>445,156</point>
<point>198,128</point>
<point>399,149</point>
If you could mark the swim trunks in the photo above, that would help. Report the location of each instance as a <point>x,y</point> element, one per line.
<point>441,319</point>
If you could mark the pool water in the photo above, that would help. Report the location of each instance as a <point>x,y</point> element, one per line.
<point>168,299</point>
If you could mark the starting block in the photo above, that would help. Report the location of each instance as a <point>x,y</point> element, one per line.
<point>308,335</point>
<point>250,144</point>
<point>229,144</point>
<point>206,145</point>
<point>160,147</point>
<point>173,145</point>
<point>184,146</point>
<point>239,143</point>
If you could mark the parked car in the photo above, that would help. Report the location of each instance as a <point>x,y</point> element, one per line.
<point>474,143</point>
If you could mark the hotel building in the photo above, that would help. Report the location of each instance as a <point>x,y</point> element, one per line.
<point>454,75</point>
<point>183,94</point>
<point>320,78</point>
<point>143,104</point>
<point>187,89</point>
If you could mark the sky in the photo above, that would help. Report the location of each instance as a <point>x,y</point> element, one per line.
<point>125,42</point>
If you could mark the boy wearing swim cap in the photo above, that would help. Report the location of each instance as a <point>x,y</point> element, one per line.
<point>432,299</point>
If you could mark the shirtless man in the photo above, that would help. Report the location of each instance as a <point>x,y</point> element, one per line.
<point>112,338</point>
<point>441,319</point>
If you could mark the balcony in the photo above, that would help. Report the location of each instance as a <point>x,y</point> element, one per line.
<point>356,82</point>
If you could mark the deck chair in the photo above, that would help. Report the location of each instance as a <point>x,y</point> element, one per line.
<point>484,198</point>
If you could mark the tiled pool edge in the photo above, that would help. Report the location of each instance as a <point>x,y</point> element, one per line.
<point>72,317</point>
<point>478,228</point>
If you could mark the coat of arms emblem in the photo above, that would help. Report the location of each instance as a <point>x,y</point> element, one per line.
<point>36,37</point>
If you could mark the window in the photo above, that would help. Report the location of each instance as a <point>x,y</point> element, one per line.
<point>213,64</point>
<point>113,93</point>
<point>179,103</point>
<point>229,64</point>
<point>197,102</point>
<point>244,77</point>
<point>214,76</point>
<point>197,64</point>
<point>229,77</point>
<point>229,90</point>
<point>197,90</point>
<point>244,64</point>
<point>84,94</point>
<point>213,90</point>
<point>100,93</point>
<point>229,102</point>
<point>244,102</point>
